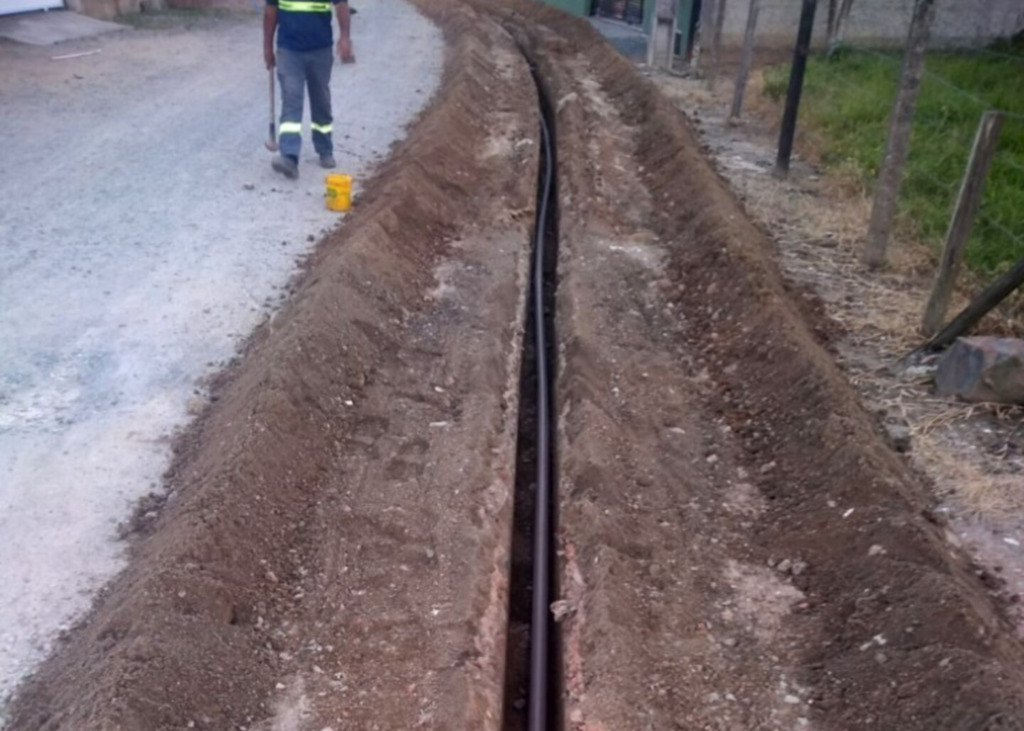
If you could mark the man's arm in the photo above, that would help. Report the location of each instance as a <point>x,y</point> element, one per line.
<point>344,40</point>
<point>269,27</point>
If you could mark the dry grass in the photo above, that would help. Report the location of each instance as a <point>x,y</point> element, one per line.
<point>972,492</point>
<point>820,242</point>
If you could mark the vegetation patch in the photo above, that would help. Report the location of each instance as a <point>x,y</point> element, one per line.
<point>848,98</point>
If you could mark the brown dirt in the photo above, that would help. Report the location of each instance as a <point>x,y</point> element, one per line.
<point>742,550</point>
<point>971,456</point>
<point>332,549</point>
<point>739,549</point>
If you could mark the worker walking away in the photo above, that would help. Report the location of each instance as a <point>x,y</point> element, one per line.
<point>304,59</point>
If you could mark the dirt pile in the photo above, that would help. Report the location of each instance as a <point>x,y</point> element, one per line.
<point>741,548</point>
<point>331,549</point>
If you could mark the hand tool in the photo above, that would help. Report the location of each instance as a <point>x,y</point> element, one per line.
<point>271,142</point>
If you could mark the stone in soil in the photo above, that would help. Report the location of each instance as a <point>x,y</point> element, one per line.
<point>983,369</point>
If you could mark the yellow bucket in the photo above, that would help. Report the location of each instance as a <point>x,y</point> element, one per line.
<point>339,192</point>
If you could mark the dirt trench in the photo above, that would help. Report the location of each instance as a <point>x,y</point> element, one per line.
<point>738,549</point>
<point>331,551</point>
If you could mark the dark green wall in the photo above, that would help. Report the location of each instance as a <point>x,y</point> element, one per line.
<point>576,7</point>
<point>683,15</point>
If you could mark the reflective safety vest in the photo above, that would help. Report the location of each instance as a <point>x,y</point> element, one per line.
<point>304,25</point>
<point>304,6</point>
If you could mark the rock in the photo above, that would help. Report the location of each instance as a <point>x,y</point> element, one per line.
<point>898,435</point>
<point>195,405</point>
<point>919,373</point>
<point>983,369</point>
<point>798,567</point>
<point>561,609</point>
<point>576,716</point>
<point>784,566</point>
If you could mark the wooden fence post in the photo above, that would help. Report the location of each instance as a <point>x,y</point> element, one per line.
<point>972,187</point>
<point>745,61</point>
<point>838,12</point>
<point>716,43</point>
<point>887,191</point>
<point>996,292</point>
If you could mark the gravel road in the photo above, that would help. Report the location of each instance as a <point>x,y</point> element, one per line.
<point>144,236</point>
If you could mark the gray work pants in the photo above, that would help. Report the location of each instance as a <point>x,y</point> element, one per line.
<point>297,70</point>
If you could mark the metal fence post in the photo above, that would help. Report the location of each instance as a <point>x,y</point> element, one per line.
<point>796,86</point>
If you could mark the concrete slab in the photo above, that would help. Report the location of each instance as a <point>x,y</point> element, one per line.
<point>54,26</point>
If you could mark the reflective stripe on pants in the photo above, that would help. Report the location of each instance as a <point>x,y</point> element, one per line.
<point>297,72</point>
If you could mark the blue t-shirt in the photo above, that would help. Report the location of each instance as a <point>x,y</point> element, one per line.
<point>304,25</point>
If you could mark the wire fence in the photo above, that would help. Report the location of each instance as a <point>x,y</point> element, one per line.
<point>848,96</point>
<point>945,122</point>
<point>958,192</point>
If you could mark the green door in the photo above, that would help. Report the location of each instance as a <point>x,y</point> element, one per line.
<point>687,14</point>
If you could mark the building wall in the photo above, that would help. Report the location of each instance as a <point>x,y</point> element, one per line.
<point>576,7</point>
<point>216,4</point>
<point>882,22</point>
<point>109,9</point>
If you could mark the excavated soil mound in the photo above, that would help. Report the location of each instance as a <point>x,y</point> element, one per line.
<point>326,554</point>
<point>741,549</point>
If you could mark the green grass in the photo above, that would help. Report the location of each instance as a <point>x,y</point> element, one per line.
<point>848,99</point>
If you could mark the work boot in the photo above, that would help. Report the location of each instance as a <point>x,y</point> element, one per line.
<point>287,165</point>
<point>327,161</point>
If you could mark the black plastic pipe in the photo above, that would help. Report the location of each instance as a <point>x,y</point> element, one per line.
<point>540,616</point>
